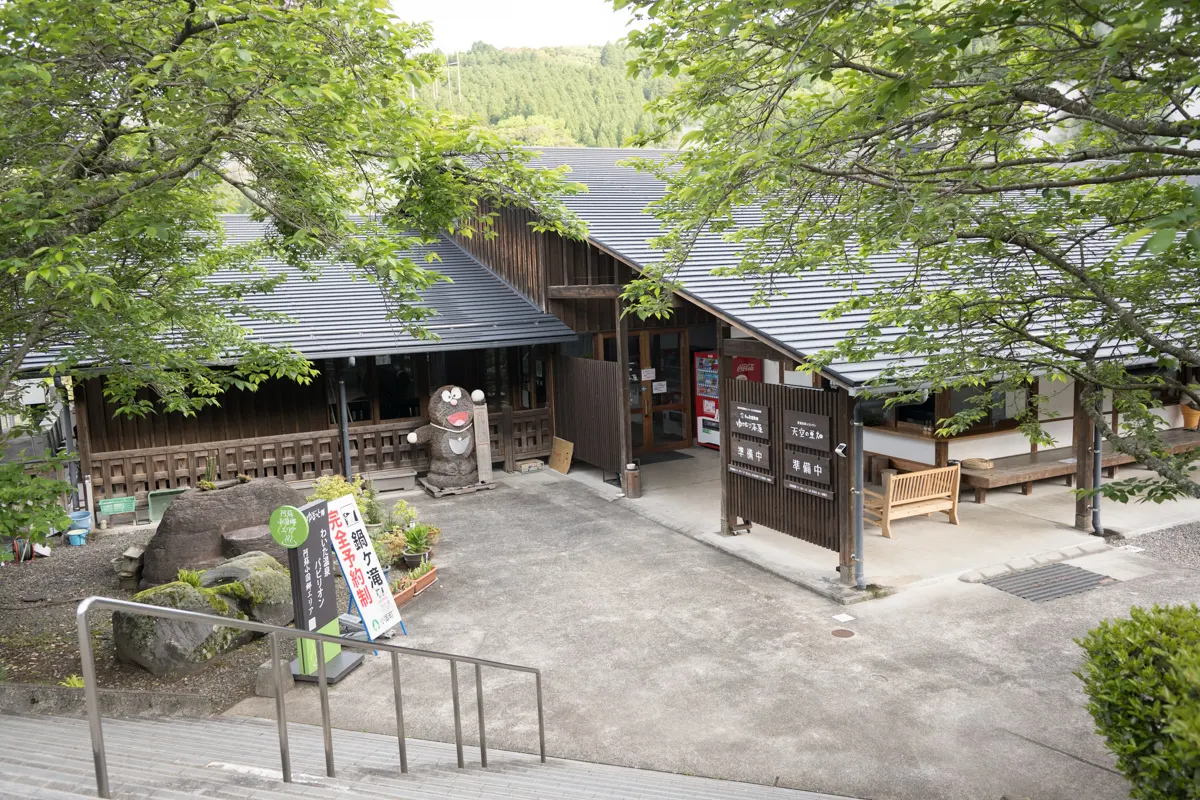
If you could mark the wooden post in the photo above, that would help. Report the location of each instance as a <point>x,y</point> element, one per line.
<point>723,372</point>
<point>83,440</point>
<point>506,437</point>
<point>550,356</point>
<point>1083,460</point>
<point>942,409</point>
<point>626,432</point>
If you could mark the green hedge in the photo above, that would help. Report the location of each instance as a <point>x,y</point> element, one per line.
<point>1142,676</point>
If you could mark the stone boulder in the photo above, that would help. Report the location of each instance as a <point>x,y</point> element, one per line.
<point>251,586</point>
<point>196,528</point>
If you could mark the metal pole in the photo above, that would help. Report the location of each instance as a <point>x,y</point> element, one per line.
<point>92,700</point>
<point>285,755</point>
<point>479,704</point>
<point>399,711</point>
<point>1097,479</point>
<point>326,725</point>
<point>458,742</point>
<point>344,419</point>
<point>537,676</point>
<point>860,581</point>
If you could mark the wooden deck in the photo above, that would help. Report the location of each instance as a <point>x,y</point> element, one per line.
<point>1058,462</point>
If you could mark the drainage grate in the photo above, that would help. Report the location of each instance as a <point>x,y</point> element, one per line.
<point>1049,582</point>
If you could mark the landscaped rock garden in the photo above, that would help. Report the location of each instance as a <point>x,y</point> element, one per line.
<point>250,586</point>
<point>202,527</point>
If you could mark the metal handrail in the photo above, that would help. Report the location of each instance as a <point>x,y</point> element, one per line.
<point>275,632</point>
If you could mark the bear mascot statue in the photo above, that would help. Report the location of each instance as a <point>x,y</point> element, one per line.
<point>450,438</point>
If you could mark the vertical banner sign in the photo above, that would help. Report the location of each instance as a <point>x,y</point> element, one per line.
<point>360,565</point>
<point>305,534</point>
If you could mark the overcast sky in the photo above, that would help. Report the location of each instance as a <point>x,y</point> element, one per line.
<point>516,23</point>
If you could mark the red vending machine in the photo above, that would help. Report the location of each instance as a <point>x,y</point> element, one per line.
<point>708,412</point>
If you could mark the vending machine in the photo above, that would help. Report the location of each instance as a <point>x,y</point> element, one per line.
<point>708,412</point>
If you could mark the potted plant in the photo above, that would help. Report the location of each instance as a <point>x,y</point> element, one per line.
<point>1191,414</point>
<point>400,518</point>
<point>372,510</point>
<point>412,583</point>
<point>416,546</point>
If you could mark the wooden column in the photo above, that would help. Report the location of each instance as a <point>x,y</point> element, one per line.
<point>723,372</point>
<point>942,409</point>
<point>506,437</point>
<point>622,346</point>
<point>1083,460</point>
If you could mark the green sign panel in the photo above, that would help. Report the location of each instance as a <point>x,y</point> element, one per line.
<point>289,526</point>
<point>118,505</point>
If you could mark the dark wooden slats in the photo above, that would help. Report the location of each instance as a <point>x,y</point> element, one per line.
<point>821,521</point>
<point>299,456</point>
<point>585,410</point>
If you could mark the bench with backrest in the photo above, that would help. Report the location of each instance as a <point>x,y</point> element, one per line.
<point>912,494</point>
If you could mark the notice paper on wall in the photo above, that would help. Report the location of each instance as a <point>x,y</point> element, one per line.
<point>658,387</point>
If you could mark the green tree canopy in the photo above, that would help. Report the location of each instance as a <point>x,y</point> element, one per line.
<point>1033,160</point>
<point>586,88</point>
<point>127,126</point>
<point>537,130</point>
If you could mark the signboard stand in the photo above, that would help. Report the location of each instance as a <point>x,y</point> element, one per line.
<point>304,532</point>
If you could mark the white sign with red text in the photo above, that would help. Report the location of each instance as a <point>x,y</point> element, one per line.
<point>360,564</point>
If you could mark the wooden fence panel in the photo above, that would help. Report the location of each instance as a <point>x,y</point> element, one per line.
<point>789,477</point>
<point>297,456</point>
<point>586,410</point>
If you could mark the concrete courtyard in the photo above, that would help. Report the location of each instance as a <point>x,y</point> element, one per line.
<point>659,651</point>
<point>685,495</point>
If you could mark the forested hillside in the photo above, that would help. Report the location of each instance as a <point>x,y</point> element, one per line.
<point>584,88</point>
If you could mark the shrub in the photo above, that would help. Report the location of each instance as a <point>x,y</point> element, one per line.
<point>401,517</point>
<point>30,505</point>
<point>1141,677</point>
<point>372,511</point>
<point>72,682</point>
<point>331,487</point>
<point>390,549</point>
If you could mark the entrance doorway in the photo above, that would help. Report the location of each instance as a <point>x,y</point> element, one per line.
<point>659,376</point>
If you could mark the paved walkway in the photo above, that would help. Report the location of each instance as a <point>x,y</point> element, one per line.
<point>685,495</point>
<point>661,652</point>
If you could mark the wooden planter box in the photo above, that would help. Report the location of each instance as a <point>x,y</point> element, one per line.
<point>423,583</point>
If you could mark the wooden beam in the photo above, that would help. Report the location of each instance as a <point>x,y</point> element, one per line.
<point>749,348</point>
<point>599,291</point>
<point>83,436</point>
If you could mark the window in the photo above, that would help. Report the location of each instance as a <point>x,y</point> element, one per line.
<point>399,396</point>
<point>1000,416</point>
<point>1164,394</point>
<point>495,379</point>
<point>358,401</point>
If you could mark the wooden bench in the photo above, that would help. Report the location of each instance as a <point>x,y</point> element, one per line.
<point>1059,462</point>
<point>912,494</point>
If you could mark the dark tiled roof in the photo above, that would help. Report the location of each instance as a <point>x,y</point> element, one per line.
<point>336,315</point>
<point>614,209</point>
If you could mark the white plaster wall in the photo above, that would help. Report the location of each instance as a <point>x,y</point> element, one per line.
<point>886,443</point>
<point>1063,432</point>
<point>998,445</point>
<point>770,371</point>
<point>792,377</point>
<point>1060,399</point>
<point>1172,414</point>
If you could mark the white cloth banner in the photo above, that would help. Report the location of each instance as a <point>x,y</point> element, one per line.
<point>361,567</point>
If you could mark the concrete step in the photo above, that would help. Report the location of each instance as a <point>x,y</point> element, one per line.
<point>238,759</point>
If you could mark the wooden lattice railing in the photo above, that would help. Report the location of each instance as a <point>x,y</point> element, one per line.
<point>304,456</point>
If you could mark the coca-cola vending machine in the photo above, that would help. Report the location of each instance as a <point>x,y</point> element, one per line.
<point>708,412</point>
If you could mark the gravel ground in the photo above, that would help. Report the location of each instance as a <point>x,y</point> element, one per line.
<point>1179,545</point>
<point>37,625</point>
